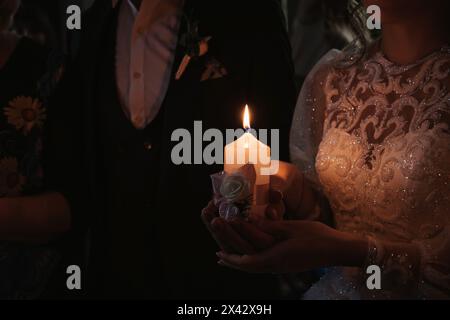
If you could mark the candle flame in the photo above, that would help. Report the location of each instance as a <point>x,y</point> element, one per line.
<point>246,118</point>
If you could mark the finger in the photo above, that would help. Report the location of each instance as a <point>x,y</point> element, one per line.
<point>275,196</point>
<point>229,238</point>
<point>272,260</point>
<point>236,267</point>
<point>252,234</point>
<point>226,264</point>
<point>211,207</point>
<point>208,215</point>
<point>283,179</point>
<point>271,213</point>
<point>275,212</point>
<point>289,180</point>
<point>277,229</point>
<point>247,263</point>
<point>276,209</point>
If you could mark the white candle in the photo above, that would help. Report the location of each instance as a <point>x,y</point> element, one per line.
<point>248,149</point>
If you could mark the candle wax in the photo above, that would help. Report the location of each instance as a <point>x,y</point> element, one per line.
<point>248,149</point>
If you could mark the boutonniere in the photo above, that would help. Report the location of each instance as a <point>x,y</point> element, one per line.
<point>195,45</point>
<point>213,70</point>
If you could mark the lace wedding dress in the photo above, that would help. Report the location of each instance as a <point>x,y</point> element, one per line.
<point>374,138</point>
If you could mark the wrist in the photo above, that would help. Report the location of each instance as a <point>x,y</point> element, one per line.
<point>351,250</point>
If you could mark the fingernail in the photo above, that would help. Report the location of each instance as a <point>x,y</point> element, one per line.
<point>280,194</point>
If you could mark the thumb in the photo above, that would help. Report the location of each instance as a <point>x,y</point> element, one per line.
<point>272,213</point>
<point>275,196</point>
<point>276,209</point>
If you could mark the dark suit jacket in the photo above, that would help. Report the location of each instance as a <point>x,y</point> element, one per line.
<point>161,232</point>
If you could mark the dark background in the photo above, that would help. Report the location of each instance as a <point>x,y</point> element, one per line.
<point>306,22</point>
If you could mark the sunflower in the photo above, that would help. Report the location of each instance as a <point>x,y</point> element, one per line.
<point>11,181</point>
<point>25,113</point>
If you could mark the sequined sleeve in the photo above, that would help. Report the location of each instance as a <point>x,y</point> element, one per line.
<point>307,125</point>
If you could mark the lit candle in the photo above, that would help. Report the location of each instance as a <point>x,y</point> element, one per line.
<point>249,150</point>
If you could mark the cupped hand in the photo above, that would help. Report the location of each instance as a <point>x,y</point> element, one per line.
<point>299,246</point>
<point>237,235</point>
<point>234,236</point>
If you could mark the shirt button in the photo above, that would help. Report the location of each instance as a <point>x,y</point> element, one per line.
<point>137,120</point>
<point>148,146</point>
<point>137,75</point>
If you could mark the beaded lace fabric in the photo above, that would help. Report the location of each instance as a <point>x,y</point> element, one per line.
<point>374,137</point>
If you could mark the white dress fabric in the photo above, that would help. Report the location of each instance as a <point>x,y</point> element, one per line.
<point>374,138</point>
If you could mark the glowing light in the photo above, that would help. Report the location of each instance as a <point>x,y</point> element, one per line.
<point>246,121</point>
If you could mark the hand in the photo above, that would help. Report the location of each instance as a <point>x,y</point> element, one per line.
<point>285,191</point>
<point>276,209</point>
<point>226,237</point>
<point>298,198</point>
<point>236,237</point>
<point>301,246</point>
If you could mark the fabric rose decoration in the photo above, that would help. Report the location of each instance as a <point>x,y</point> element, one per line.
<point>233,193</point>
<point>235,188</point>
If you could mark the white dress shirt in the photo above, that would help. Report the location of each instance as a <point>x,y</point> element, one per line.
<point>144,66</point>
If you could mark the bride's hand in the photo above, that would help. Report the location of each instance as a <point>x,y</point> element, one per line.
<point>298,198</point>
<point>232,236</point>
<point>286,192</point>
<point>300,246</point>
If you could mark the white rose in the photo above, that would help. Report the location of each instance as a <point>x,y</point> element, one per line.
<point>235,188</point>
